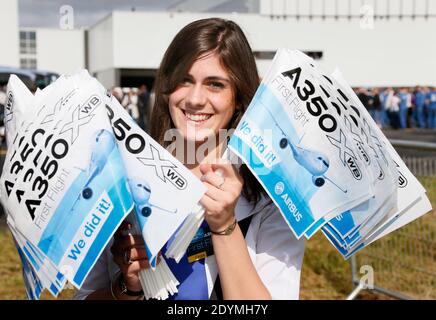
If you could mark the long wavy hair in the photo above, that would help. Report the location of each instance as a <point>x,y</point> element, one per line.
<point>227,40</point>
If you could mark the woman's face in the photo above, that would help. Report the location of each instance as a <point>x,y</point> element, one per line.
<point>204,102</point>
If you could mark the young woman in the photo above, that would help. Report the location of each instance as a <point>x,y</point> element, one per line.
<point>205,83</point>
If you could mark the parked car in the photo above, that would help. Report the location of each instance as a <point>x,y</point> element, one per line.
<point>44,78</point>
<point>28,77</point>
<point>33,79</point>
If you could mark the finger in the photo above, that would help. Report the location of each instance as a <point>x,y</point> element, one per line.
<point>131,255</point>
<point>135,253</point>
<point>215,193</point>
<point>210,204</point>
<point>129,241</point>
<point>133,268</point>
<point>205,168</point>
<point>143,264</point>
<point>215,180</point>
<point>227,169</point>
<point>222,190</point>
<point>138,253</point>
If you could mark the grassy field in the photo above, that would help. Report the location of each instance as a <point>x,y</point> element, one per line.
<point>403,261</point>
<point>11,280</point>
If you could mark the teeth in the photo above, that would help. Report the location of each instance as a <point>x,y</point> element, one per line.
<point>197,117</point>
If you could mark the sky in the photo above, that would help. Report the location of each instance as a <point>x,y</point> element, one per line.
<point>46,13</point>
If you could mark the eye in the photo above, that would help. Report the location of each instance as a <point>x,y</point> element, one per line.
<point>186,81</point>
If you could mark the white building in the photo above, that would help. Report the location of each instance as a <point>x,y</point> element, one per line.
<point>57,50</point>
<point>9,34</point>
<point>348,8</point>
<point>51,49</point>
<point>390,52</point>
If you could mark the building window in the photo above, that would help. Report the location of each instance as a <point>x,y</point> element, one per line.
<point>264,55</point>
<point>269,55</point>
<point>315,55</point>
<point>28,63</point>
<point>27,42</point>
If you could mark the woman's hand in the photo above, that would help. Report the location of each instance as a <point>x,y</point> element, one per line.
<point>130,255</point>
<point>224,186</point>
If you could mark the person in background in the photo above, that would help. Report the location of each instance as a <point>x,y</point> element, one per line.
<point>370,102</point>
<point>144,108</point>
<point>3,98</point>
<point>131,104</point>
<point>393,108</point>
<point>426,91</point>
<point>377,106</point>
<point>384,110</point>
<point>410,107</point>
<point>364,98</point>
<point>403,95</point>
<point>117,92</point>
<point>431,108</point>
<point>419,116</point>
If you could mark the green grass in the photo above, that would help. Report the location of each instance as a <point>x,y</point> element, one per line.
<point>11,280</point>
<point>404,261</point>
<point>325,274</point>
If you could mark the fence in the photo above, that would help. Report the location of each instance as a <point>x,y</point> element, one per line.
<point>404,262</point>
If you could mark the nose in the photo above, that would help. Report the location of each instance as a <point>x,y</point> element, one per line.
<point>196,96</point>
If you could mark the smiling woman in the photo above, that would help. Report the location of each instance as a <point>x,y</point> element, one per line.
<point>244,249</point>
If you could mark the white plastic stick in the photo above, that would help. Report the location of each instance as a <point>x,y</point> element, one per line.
<point>156,283</point>
<point>185,235</point>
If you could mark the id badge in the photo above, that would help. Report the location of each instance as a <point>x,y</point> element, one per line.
<point>201,245</point>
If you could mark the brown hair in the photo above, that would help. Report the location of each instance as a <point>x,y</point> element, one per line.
<point>198,38</point>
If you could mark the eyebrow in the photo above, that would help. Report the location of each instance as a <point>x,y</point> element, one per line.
<point>218,78</point>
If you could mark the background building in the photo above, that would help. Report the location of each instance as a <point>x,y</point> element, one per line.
<point>9,34</point>
<point>62,51</point>
<point>394,52</point>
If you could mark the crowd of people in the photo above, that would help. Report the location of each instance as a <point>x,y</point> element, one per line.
<point>401,108</point>
<point>3,100</point>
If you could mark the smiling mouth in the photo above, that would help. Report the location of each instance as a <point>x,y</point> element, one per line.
<point>197,117</point>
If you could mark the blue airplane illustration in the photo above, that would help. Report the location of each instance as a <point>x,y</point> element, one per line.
<point>314,162</point>
<point>141,192</point>
<point>103,145</point>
